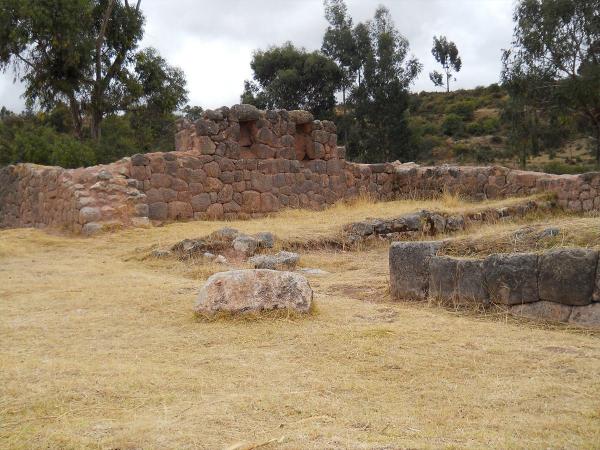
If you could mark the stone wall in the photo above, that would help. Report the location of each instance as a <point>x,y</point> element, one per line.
<point>241,162</point>
<point>561,285</point>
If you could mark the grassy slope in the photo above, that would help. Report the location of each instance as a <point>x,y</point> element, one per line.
<point>100,349</point>
<point>483,137</point>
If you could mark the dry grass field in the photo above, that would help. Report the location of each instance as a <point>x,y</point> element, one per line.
<point>99,349</point>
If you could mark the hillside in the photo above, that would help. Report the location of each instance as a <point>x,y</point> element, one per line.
<point>469,126</point>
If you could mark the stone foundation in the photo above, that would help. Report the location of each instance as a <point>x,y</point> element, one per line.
<point>241,162</point>
<point>561,285</point>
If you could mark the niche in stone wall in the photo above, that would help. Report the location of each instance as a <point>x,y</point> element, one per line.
<point>304,141</point>
<point>247,133</point>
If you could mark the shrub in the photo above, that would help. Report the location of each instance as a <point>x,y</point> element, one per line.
<point>463,108</point>
<point>453,125</point>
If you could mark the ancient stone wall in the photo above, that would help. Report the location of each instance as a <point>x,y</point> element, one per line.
<point>241,162</point>
<point>561,285</point>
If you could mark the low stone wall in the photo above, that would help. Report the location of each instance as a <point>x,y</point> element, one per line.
<point>241,162</point>
<point>560,285</point>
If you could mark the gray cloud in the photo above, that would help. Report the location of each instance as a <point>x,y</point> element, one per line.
<point>213,41</point>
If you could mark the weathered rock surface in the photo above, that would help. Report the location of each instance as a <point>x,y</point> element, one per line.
<point>246,291</point>
<point>280,261</point>
<point>512,278</point>
<point>409,268</point>
<point>471,284</point>
<point>587,316</point>
<point>567,275</point>
<point>265,239</point>
<point>443,277</point>
<point>543,310</point>
<point>245,244</point>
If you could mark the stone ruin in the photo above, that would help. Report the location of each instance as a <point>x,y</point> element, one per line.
<point>559,285</point>
<point>241,162</point>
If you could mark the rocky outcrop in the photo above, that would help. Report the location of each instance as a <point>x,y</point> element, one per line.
<point>254,291</point>
<point>280,261</point>
<point>557,285</point>
<point>432,223</point>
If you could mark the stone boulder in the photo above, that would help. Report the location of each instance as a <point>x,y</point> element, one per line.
<point>542,310</point>
<point>512,278</point>
<point>443,278</point>
<point>225,234</point>
<point>279,261</point>
<point>245,244</point>
<point>587,316</point>
<point>457,279</point>
<point>567,275</point>
<point>409,268</point>
<point>254,291</point>
<point>471,285</point>
<point>265,239</point>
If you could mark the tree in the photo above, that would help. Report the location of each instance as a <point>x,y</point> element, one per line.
<point>556,47</point>
<point>291,78</point>
<point>83,53</point>
<point>445,53</point>
<point>380,97</point>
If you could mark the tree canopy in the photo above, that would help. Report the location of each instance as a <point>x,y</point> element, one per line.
<point>445,52</point>
<point>288,77</point>
<point>84,53</point>
<point>554,60</point>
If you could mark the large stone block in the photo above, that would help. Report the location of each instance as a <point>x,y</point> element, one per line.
<point>512,278</point>
<point>248,291</point>
<point>471,285</point>
<point>568,275</point>
<point>158,211</point>
<point>542,310</point>
<point>587,316</point>
<point>409,268</point>
<point>443,278</point>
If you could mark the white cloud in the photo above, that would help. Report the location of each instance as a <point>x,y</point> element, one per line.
<point>212,41</point>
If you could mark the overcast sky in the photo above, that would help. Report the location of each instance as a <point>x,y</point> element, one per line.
<point>213,40</point>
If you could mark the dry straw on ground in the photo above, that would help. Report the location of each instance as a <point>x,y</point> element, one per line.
<point>100,349</point>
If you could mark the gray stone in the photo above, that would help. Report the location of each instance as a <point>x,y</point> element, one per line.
<point>300,117</point>
<point>280,261</point>
<point>206,127</point>
<point>471,285</point>
<point>245,112</point>
<point>568,275</point>
<point>587,316</point>
<point>360,228</point>
<point>225,234</point>
<point>455,223</point>
<point>409,268</point>
<point>91,228</point>
<point>434,223</point>
<point>596,295</point>
<point>158,211</point>
<point>409,222</point>
<point>549,232</point>
<point>188,248</point>
<point>443,277</point>
<point>265,239</point>
<point>254,291</point>
<point>245,244</point>
<point>140,160</point>
<point>512,278</point>
<point>89,214</point>
<point>542,310</point>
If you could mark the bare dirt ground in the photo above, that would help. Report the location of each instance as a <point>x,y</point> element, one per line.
<point>99,349</point>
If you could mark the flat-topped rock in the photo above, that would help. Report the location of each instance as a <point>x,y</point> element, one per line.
<point>254,291</point>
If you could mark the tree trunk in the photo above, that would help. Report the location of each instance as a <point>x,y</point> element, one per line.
<point>75,116</point>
